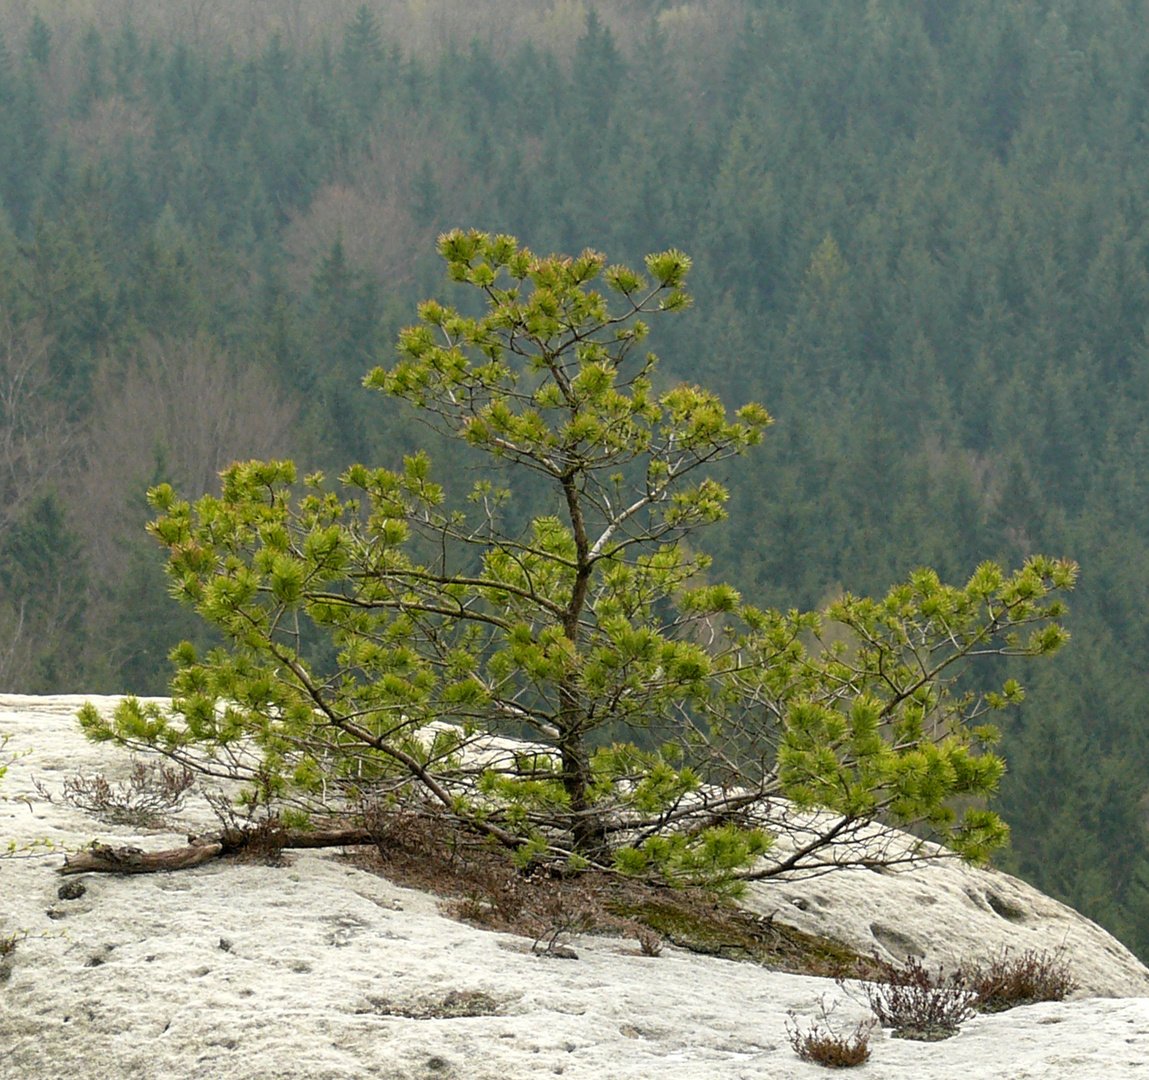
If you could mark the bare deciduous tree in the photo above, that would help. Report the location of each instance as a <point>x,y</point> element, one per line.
<point>187,409</point>
<point>38,451</point>
<point>36,442</point>
<point>373,220</point>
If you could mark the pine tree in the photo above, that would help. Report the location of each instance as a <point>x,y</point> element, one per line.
<point>39,41</point>
<point>591,621</point>
<point>362,62</point>
<point>93,85</point>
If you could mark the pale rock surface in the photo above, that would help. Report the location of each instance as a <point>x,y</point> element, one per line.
<point>254,973</point>
<point>945,912</point>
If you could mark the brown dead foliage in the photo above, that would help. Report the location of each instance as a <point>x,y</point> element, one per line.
<point>479,885</point>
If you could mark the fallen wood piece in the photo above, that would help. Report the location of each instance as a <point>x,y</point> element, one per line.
<point>104,859</point>
<point>128,860</point>
<point>238,839</point>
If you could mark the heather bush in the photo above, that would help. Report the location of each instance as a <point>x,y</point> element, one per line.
<point>1009,981</point>
<point>824,1045</point>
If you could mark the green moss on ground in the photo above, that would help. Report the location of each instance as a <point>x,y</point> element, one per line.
<point>734,934</point>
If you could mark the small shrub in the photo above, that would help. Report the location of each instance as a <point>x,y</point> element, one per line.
<point>562,915</point>
<point>1022,980</point>
<point>151,791</point>
<point>918,1004</point>
<point>8,944</point>
<point>823,1045</point>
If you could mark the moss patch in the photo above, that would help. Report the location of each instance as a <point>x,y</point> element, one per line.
<point>734,934</point>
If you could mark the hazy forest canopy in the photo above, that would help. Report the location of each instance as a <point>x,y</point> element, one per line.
<point>920,232</point>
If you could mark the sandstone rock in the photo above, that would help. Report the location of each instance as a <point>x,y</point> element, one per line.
<point>947,912</point>
<point>333,972</point>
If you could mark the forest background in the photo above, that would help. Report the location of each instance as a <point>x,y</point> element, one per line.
<point>920,231</point>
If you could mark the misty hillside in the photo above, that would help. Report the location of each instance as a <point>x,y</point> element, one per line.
<point>920,234</point>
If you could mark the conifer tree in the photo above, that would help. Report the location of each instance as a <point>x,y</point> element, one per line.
<point>39,41</point>
<point>663,715</point>
<point>361,59</point>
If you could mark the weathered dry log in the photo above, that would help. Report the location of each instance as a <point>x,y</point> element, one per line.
<point>128,860</point>
<point>234,840</point>
<point>104,859</point>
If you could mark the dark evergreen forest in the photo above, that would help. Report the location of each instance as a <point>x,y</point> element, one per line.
<point>920,231</point>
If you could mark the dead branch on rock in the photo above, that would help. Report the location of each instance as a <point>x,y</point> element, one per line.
<point>105,859</point>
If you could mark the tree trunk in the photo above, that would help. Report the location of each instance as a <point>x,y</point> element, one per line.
<point>587,829</point>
